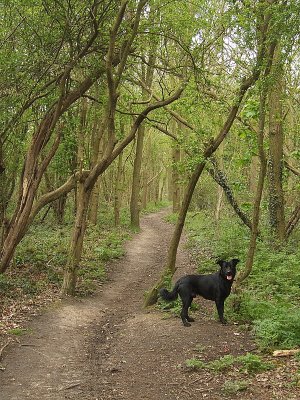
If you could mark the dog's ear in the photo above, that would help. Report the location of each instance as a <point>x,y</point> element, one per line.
<point>235,261</point>
<point>220,262</point>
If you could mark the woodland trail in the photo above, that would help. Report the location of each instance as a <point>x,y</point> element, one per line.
<point>109,347</point>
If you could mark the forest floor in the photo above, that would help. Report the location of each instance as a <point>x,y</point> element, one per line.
<point>109,347</point>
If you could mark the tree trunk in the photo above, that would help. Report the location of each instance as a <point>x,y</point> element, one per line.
<point>7,185</point>
<point>145,190</point>
<point>259,191</point>
<point>76,245</point>
<point>82,202</point>
<point>175,178</point>
<point>219,202</point>
<point>275,163</point>
<point>263,169</point>
<point>118,190</point>
<point>135,203</point>
<point>293,221</point>
<point>137,166</point>
<point>58,208</point>
<point>254,167</point>
<point>162,188</point>
<point>97,146</point>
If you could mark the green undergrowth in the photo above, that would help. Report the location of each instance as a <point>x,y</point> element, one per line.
<point>249,364</point>
<point>230,388</point>
<point>269,298</point>
<point>41,256</point>
<point>18,331</point>
<point>172,218</point>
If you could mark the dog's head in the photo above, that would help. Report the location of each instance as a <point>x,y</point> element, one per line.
<point>228,268</point>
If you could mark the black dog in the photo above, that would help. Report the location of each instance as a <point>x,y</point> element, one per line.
<point>214,287</point>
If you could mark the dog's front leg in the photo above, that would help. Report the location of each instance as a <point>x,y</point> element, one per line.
<point>220,308</point>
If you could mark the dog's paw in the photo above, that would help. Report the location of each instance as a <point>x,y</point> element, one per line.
<point>187,323</point>
<point>190,319</point>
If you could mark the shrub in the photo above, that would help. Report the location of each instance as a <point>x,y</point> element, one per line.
<point>195,363</point>
<point>222,363</point>
<point>249,363</point>
<point>253,364</point>
<point>233,387</point>
<point>280,330</point>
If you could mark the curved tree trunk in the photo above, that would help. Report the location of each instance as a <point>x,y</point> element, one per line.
<point>33,169</point>
<point>220,178</point>
<point>31,178</point>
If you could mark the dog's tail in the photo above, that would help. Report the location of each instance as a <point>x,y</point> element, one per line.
<point>169,296</point>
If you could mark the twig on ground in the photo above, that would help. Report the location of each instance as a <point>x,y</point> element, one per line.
<point>71,386</point>
<point>3,347</point>
<point>201,379</point>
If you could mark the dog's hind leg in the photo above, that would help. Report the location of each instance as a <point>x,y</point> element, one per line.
<point>186,303</point>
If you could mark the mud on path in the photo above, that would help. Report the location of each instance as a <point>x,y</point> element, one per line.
<point>109,347</point>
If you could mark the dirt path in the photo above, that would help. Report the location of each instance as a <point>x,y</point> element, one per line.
<point>109,347</point>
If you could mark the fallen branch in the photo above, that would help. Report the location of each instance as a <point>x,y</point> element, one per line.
<point>285,353</point>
